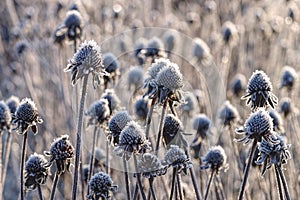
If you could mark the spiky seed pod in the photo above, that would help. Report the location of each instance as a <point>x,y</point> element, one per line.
<point>101,186</point>
<point>155,48</point>
<point>150,166</point>
<point>139,45</point>
<point>171,39</point>
<point>111,65</point>
<point>238,84</point>
<point>5,117</point>
<point>87,59</point>
<point>270,153</point>
<point>259,91</point>
<point>277,122</point>
<point>116,124</point>
<point>173,132</point>
<point>12,103</point>
<point>37,170</point>
<point>132,140</point>
<point>229,33</point>
<point>288,78</point>
<point>286,107</point>
<point>26,116</point>
<point>189,105</point>
<point>201,124</point>
<point>215,159</point>
<point>141,109</point>
<point>229,114</point>
<point>170,77</point>
<point>176,157</point>
<point>135,78</point>
<point>112,98</point>
<point>98,112</point>
<point>73,24</point>
<point>62,152</point>
<point>201,51</point>
<point>259,125</point>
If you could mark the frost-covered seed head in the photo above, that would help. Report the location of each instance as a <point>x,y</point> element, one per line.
<point>200,49</point>
<point>73,19</point>
<point>229,114</point>
<point>201,124</point>
<point>5,117</point>
<point>112,98</point>
<point>286,107</point>
<point>98,112</point>
<point>135,77</point>
<point>170,77</point>
<point>154,47</point>
<point>117,123</point>
<point>238,84</point>
<point>176,157</point>
<point>12,103</point>
<point>150,166</point>
<point>172,131</point>
<point>110,62</point>
<point>157,66</point>
<point>277,122</point>
<point>288,78</point>
<point>141,109</point>
<point>189,104</point>
<point>215,159</point>
<point>229,33</point>
<point>170,40</point>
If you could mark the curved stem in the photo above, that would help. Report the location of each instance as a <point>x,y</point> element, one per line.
<point>246,172</point>
<point>40,192</point>
<point>161,125</point>
<point>138,177</point>
<point>173,182</point>
<point>126,178</point>
<point>55,181</point>
<point>209,183</point>
<point>92,159</point>
<point>279,186</point>
<point>78,136</point>
<point>285,187</point>
<point>23,156</point>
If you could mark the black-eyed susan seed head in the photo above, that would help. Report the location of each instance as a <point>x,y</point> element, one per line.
<point>98,112</point>
<point>170,77</point>
<point>150,166</point>
<point>141,108</point>
<point>135,78</point>
<point>228,114</point>
<point>37,170</point>
<point>288,78</point>
<point>101,186</point>
<point>87,59</point>
<point>5,117</point>
<point>189,105</point>
<point>238,85</point>
<point>176,157</point>
<point>12,103</point>
<point>26,116</point>
<point>259,91</point>
<point>116,124</point>
<point>112,98</point>
<point>62,152</point>
<point>277,122</point>
<point>215,159</point>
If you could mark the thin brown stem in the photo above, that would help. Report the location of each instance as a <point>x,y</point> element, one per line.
<point>209,183</point>
<point>54,186</point>
<point>138,177</point>
<point>151,188</point>
<point>6,158</point>
<point>193,177</point>
<point>23,156</point>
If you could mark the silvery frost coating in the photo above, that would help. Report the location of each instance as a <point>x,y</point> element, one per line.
<point>112,98</point>
<point>5,117</point>
<point>270,153</point>
<point>201,51</point>
<point>149,165</point>
<point>12,103</point>
<point>132,141</point>
<point>259,91</point>
<point>259,125</point>
<point>215,159</point>
<point>87,59</point>
<point>288,78</point>
<point>229,114</point>
<point>101,186</point>
<point>176,157</point>
<point>62,152</point>
<point>26,116</point>
<point>116,124</point>
<point>98,112</point>
<point>37,170</point>
<point>141,109</point>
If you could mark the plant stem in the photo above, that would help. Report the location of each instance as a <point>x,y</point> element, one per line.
<point>6,157</point>
<point>173,182</point>
<point>126,178</point>
<point>138,177</point>
<point>1,167</point>
<point>246,172</point>
<point>179,186</point>
<point>92,159</point>
<point>279,186</point>
<point>285,187</point>
<point>78,136</point>
<point>23,156</point>
<point>40,192</point>
<point>149,117</point>
<point>194,180</point>
<point>55,181</point>
<point>161,124</point>
<point>209,183</point>
<point>107,157</point>
<point>151,188</point>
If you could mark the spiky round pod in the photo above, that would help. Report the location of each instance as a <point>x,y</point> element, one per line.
<point>117,123</point>
<point>200,49</point>
<point>171,39</point>
<point>170,77</point>
<point>190,104</point>
<point>277,122</point>
<point>135,77</point>
<point>12,103</point>
<point>99,112</point>
<point>288,77</point>
<point>110,62</point>
<point>5,117</point>
<point>201,124</point>
<point>141,109</point>
<point>37,170</point>
<point>73,23</point>
<point>112,98</point>
<point>238,84</point>
<point>139,45</point>
<point>150,166</point>
<point>154,47</point>
<point>215,159</point>
<point>286,107</point>
<point>176,157</point>
<point>173,132</point>
<point>229,114</point>
<point>100,186</point>
<point>157,66</point>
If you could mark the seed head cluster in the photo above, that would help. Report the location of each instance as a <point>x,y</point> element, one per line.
<point>116,124</point>
<point>176,157</point>
<point>215,159</point>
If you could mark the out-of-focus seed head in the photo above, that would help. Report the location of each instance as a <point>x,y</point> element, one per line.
<point>116,124</point>
<point>157,66</point>
<point>259,91</point>
<point>171,39</point>
<point>170,77</point>
<point>139,45</point>
<point>150,166</point>
<point>228,114</point>
<point>101,186</point>
<point>62,152</point>
<point>12,103</point>
<point>112,98</point>
<point>176,157</point>
<point>189,105</point>
<point>20,47</point>
<point>289,77</point>
<point>238,84</point>
<point>141,109</point>
<point>230,33</point>
<point>210,6</point>
<point>259,125</point>
<point>215,159</point>
<point>286,107</point>
<point>98,112</point>
<point>26,116</point>
<point>201,124</point>
<point>73,23</point>
<point>201,51</point>
<point>37,170</point>
<point>5,117</point>
<point>111,65</point>
<point>155,48</point>
<point>135,78</point>
<point>277,122</point>
<point>87,59</point>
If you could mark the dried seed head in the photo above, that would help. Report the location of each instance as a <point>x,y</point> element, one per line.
<point>135,78</point>
<point>5,117</point>
<point>259,91</point>
<point>87,59</point>
<point>215,159</point>
<point>201,124</point>
<point>112,98</point>
<point>139,45</point>
<point>173,132</point>
<point>20,47</point>
<point>170,77</point>
<point>238,84</point>
<point>200,49</point>
<point>229,114</point>
<point>190,104</point>
<point>155,47</point>
<point>116,124</point>
<point>26,116</point>
<point>12,103</point>
<point>230,33</point>
<point>170,40</point>
<point>37,170</point>
<point>176,157</point>
<point>73,24</point>
<point>111,65</point>
<point>157,66</point>
<point>101,185</point>
<point>286,107</point>
<point>288,78</point>
<point>150,166</point>
<point>277,122</point>
<point>141,109</point>
<point>98,112</point>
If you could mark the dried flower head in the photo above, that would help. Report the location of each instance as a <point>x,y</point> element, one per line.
<point>132,140</point>
<point>155,48</point>
<point>112,98</point>
<point>189,105</point>
<point>135,78</point>
<point>201,124</point>
<point>230,33</point>
<point>229,114</point>
<point>12,103</point>
<point>259,125</point>
<point>87,59</point>
<point>20,47</point>
<point>171,39</point>
<point>98,112</point>
<point>288,78</point>
<point>111,65</point>
<point>176,157</point>
<point>139,45</point>
<point>141,109</point>
<point>270,153</point>
<point>5,117</point>
<point>116,124</point>
<point>259,91</point>
<point>238,84</point>
<point>201,51</point>
<point>277,122</point>
<point>150,166</point>
<point>37,170</point>
<point>286,107</point>
<point>26,116</point>
<point>62,152</point>
<point>215,159</point>
<point>101,186</point>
